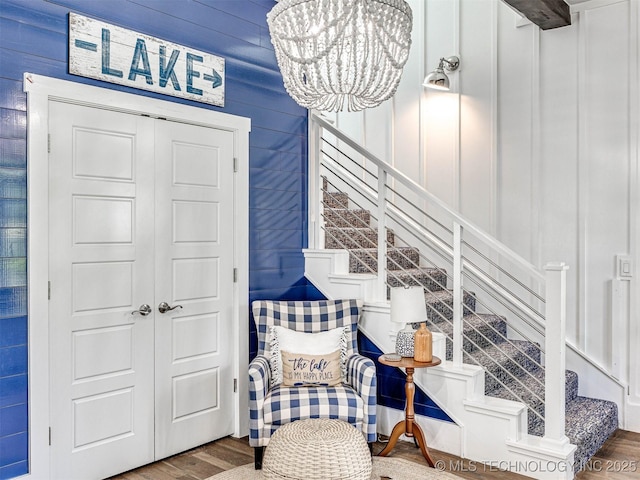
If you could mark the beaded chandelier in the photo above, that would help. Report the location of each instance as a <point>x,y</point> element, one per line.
<point>337,53</point>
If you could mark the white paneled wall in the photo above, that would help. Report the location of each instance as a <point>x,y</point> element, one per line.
<point>558,158</point>
<point>537,143</point>
<point>441,111</point>
<point>477,80</point>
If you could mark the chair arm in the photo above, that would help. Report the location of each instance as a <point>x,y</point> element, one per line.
<point>361,375</point>
<point>260,375</point>
<point>259,383</point>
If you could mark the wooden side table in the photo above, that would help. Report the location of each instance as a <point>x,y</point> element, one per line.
<point>409,426</point>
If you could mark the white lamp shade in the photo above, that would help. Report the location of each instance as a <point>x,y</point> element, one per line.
<point>408,305</point>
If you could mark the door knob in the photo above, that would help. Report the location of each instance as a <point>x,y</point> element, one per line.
<point>144,310</point>
<point>164,307</point>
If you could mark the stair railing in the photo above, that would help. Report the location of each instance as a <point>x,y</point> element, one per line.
<point>475,258</point>
<point>362,264</point>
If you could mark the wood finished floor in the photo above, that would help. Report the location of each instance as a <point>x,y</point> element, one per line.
<point>615,460</point>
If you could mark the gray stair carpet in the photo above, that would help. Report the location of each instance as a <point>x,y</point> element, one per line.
<point>512,367</point>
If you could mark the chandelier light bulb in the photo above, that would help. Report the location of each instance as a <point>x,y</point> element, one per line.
<point>337,54</point>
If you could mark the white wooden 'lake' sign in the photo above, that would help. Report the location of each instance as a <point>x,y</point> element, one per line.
<point>117,55</point>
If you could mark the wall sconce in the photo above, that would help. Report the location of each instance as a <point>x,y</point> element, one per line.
<point>437,79</point>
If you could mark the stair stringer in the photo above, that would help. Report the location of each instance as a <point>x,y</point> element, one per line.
<point>489,431</point>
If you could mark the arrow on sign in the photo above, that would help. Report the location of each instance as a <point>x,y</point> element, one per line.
<point>216,79</point>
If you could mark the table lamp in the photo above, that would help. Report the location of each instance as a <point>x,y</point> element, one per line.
<point>407,306</point>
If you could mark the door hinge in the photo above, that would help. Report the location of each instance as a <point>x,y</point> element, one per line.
<point>235,387</point>
<point>49,436</point>
<point>235,275</point>
<point>48,143</point>
<point>49,290</point>
<point>235,164</point>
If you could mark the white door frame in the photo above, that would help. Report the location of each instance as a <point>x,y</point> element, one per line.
<point>40,90</point>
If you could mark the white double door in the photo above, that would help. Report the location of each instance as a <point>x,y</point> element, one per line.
<point>141,212</point>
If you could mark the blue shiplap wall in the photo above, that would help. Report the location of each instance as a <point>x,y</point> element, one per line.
<point>33,38</point>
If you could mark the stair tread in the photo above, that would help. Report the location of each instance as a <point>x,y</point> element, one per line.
<point>440,304</point>
<point>438,296</point>
<point>535,382</point>
<point>530,390</point>
<point>475,320</point>
<point>353,238</point>
<point>335,200</point>
<point>505,361</point>
<point>346,217</point>
<point>335,194</point>
<point>506,349</point>
<point>423,269</point>
<point>430,278</point>
<point>344,210</point>
<point>481,328</point>
<point>416,271</point>
<point>589,422</point>
<point>369,250</point>
<point>365,228</point>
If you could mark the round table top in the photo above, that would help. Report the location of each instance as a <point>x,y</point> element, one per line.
<point>409,362</point>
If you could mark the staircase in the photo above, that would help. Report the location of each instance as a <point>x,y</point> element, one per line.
<point>513,366</point>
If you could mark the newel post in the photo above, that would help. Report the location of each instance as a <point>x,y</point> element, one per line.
<point>555,348</point>
<point>314,186</point>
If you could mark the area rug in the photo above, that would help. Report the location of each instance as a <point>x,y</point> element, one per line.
<point>383,469</point>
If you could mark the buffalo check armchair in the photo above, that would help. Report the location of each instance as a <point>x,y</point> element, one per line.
<point>271,406</point>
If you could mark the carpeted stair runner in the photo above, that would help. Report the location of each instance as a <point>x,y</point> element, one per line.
<point>512,367</point>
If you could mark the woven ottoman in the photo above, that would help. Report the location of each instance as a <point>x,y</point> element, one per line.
<point>317,449</point>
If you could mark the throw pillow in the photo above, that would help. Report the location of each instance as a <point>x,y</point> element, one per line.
<point>300,369</point>
<point>321,343</point>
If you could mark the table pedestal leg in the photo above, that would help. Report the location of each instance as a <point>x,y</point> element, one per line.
<point>393,439</point>
<point>408,426</point>
<point>419,437</point>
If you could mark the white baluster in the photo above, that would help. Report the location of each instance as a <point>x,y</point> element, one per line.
<point>382,235</point>
<point>457,294</point>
